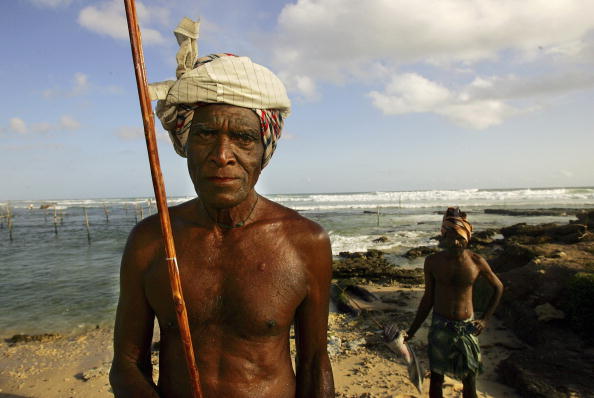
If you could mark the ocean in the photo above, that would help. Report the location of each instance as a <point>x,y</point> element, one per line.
<point>54,281</point>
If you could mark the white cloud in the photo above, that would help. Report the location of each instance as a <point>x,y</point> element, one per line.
<point>130,133</point>
<point>549,42</point>
<point>302,85</point>
<point>412,93</point>
<point>51,3</point>
<point>18,125</point>
<point>80,85</point>
<point>81,82</point>
<point>108,18</point>
<point>332,38</point>
<point>66,122</point>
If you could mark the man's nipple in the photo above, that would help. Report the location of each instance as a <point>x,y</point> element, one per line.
<point>271,323</point>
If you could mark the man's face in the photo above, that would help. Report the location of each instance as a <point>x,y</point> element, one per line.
<point>452,240</point>
<point>224,154</point>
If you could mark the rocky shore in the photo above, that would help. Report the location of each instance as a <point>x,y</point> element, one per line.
<point>548,303</point>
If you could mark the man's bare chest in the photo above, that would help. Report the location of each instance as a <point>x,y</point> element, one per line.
<point>248,287</point>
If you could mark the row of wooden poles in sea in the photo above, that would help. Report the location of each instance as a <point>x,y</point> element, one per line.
<point>51,211</point>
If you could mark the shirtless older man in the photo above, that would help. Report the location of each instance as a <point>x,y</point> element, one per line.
<point>249,267</point>
<point>449,278</point>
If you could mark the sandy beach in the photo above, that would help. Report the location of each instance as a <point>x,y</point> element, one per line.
<point>78,365</point>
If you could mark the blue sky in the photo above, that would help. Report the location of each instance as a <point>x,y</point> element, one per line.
<point>405,95</point>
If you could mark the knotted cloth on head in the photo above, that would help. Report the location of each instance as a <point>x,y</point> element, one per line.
<point>455,220</point>
<point>218,79</point>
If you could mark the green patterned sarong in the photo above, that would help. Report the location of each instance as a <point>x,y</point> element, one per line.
<point>453,349</point>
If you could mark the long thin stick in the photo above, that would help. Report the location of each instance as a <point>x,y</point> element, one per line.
<point>87,225</point>
<point>160,198</point>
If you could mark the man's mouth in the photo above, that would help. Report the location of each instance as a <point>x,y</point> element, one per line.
<point>221,180</point>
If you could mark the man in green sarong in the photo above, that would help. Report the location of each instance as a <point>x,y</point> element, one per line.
<point>449,277</point>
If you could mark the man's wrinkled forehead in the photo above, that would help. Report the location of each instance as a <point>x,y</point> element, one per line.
<point>230,117</point>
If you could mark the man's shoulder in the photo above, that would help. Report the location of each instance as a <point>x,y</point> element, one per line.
<point>296,226</point>
<point>435,256</point>
<point>477,259</point>
<point>148,230</point>
<point>474,256</point>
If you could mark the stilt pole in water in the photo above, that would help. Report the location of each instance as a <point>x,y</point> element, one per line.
<point>378,214</point>
<point>55,220</point>
<point>160,197</point>
<point>87,225</point>
<point>9,222</point>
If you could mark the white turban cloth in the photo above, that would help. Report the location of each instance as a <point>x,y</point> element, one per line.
<point>218,79</point>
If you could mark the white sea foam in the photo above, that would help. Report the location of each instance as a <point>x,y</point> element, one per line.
<point>398,241</point>
<point>439,198</point>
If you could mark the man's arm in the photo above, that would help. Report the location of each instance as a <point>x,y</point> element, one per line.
<point>494,281</point>
<point>314,372</point>
<point>131,370</point>
<point>426,302</point>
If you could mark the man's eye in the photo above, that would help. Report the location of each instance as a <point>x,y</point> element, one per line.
<point>206,133</point>
<point>245,138</point>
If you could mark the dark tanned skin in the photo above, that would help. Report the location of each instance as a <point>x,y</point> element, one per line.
<point>449,277</point>
<point>243,287</point>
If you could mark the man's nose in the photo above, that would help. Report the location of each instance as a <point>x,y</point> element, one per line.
<point>222,151</point>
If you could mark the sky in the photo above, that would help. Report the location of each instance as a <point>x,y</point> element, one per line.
<point>387,95</point>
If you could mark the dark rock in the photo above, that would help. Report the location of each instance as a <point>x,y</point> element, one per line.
<point>483,237</point>
<point>569,233</point>
<point>362,293</point>
<point>548,372</point>
<point>374,253</point>
<point>513,255</point>
<point>533,212</point>
<point>421,251</point>
<point>342,301</point>
<point>26,338</point>
<point>372,266</point>
<point>536,283</point>
<point>578,303</point>
<point>381,239</point>
<point>586,217</point>
<point>362,255</point>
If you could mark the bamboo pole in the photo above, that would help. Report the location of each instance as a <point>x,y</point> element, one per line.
<point>87,225</point>
<point>9,221</point>
<point>55,220</point>
<point>160,197</point>
<point>106,211</point>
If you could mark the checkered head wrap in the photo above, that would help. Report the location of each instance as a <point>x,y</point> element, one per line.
<point>455,220</point>
<point>218,79</point>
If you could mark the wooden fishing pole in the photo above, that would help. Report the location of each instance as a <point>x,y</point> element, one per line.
<point>160,197</point>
